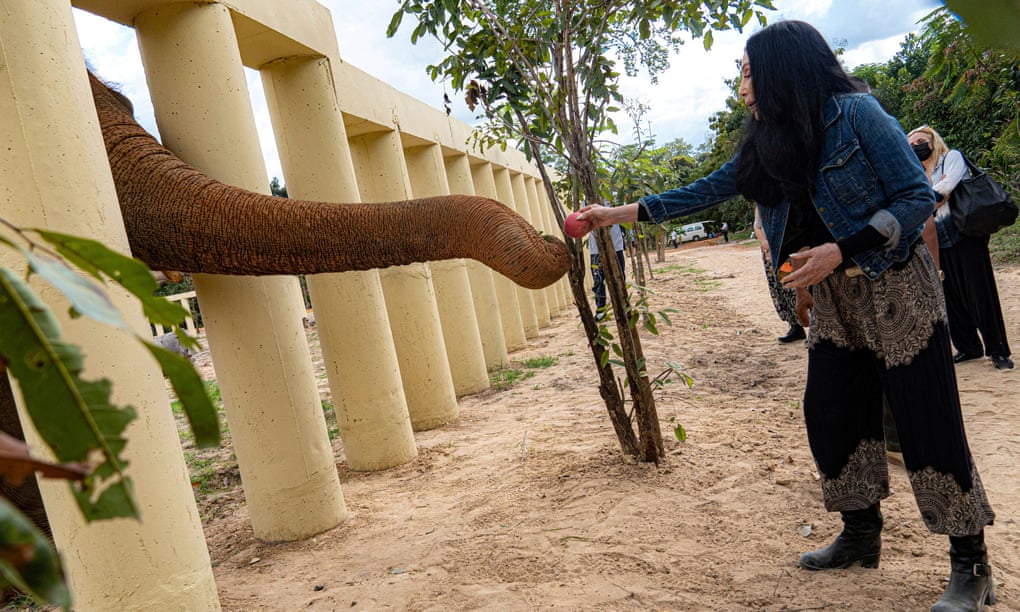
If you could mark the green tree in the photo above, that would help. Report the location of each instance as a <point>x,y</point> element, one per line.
<point>978,89</point>
<point>637,169</point>
<point>966,89</point>
<point>545,73</point>
<point>277,188</point>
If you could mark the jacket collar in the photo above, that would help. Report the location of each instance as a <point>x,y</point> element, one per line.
<point>831,112</point>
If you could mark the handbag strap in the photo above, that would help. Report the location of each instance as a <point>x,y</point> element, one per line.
<point>975,170</point>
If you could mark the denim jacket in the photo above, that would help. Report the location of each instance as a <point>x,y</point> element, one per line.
<point>868,175</point>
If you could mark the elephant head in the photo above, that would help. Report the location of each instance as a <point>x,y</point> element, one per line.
<point>179,219</point>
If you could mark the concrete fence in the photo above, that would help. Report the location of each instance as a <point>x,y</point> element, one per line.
<point>188,301</point>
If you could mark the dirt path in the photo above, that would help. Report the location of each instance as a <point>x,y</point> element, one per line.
<point>524,502</point>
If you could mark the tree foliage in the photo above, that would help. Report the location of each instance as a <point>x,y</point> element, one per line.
<point>554,65</point>
<point>966,89</point>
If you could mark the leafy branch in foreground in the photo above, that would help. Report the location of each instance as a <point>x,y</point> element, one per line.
<point>75,417</point>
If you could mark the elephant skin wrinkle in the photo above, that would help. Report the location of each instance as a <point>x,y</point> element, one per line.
<point>177,218</point>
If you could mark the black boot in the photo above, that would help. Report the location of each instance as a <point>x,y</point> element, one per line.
<point>796,333</point>
<point>970,582</point>
<point>860,542</point>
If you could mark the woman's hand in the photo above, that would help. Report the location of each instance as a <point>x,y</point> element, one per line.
<point>600,216</point>
<point>813,265</point>
<point>805,303</point>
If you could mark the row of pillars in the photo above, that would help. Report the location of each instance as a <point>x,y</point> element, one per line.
<point>400,344</point>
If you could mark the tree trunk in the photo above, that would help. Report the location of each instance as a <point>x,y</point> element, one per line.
<point>638,446</point>
<point>637,264</point>
<point>660,244</point>
<point>609,389</point>
<point>650,447</point>
<point>648,259</point>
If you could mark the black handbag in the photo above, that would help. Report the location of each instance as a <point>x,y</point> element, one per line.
<point>979,205</point>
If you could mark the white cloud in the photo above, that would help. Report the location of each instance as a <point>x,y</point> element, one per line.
<point>693,89</point>
<point>873,51</point>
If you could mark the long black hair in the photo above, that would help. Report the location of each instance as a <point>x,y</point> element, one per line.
<point>794,73</point>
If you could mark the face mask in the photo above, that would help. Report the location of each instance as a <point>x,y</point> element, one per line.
<point>922,150</point>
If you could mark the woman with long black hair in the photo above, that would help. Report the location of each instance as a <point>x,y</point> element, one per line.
<point>842,195</point>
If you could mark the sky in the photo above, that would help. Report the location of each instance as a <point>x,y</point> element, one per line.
<point>681,103</point>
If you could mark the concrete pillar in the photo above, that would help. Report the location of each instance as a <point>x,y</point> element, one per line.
<point>526,210</point>
<point>564,283</point>
<point>506,292</point>
<point>463,341</point>
<point>410,296</point>
<point>483,288</point>
<point>548,226</point>
<point>529,318</point>
<point>257,342</point>
<point>55,174</point>
<point>350,312</point>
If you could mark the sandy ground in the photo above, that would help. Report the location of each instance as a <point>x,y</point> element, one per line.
<point>525,502</point>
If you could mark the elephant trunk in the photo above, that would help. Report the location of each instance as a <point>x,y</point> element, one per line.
<point>180,219</point>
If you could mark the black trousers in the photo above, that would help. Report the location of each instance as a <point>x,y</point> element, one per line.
<point>972,299</point>
<point>889,337</point>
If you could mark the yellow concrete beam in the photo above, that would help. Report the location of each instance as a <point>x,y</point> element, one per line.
<point>266,29</point>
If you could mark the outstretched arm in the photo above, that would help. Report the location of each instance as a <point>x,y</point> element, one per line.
<point>597,215</point>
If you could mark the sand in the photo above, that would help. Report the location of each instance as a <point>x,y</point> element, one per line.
<point>525,502</point>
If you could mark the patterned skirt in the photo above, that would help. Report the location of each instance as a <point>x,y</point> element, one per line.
<point>888,338</point>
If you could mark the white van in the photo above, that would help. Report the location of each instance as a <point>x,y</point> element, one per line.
<point>693,232</point>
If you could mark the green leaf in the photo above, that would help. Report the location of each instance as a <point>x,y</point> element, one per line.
<point>190,390</point>
<point>73,416</point>
<point>85,296</point>
<point>395,20</point>
<point>996,22</point>
<point>186,340</point>
<point>28,561</point>
<point>97,259</point>
<point>680,432</point>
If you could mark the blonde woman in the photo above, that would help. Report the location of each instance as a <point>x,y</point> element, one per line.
<point>972,298</point>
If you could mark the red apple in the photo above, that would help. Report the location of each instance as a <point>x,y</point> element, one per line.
<point>574,227</point>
